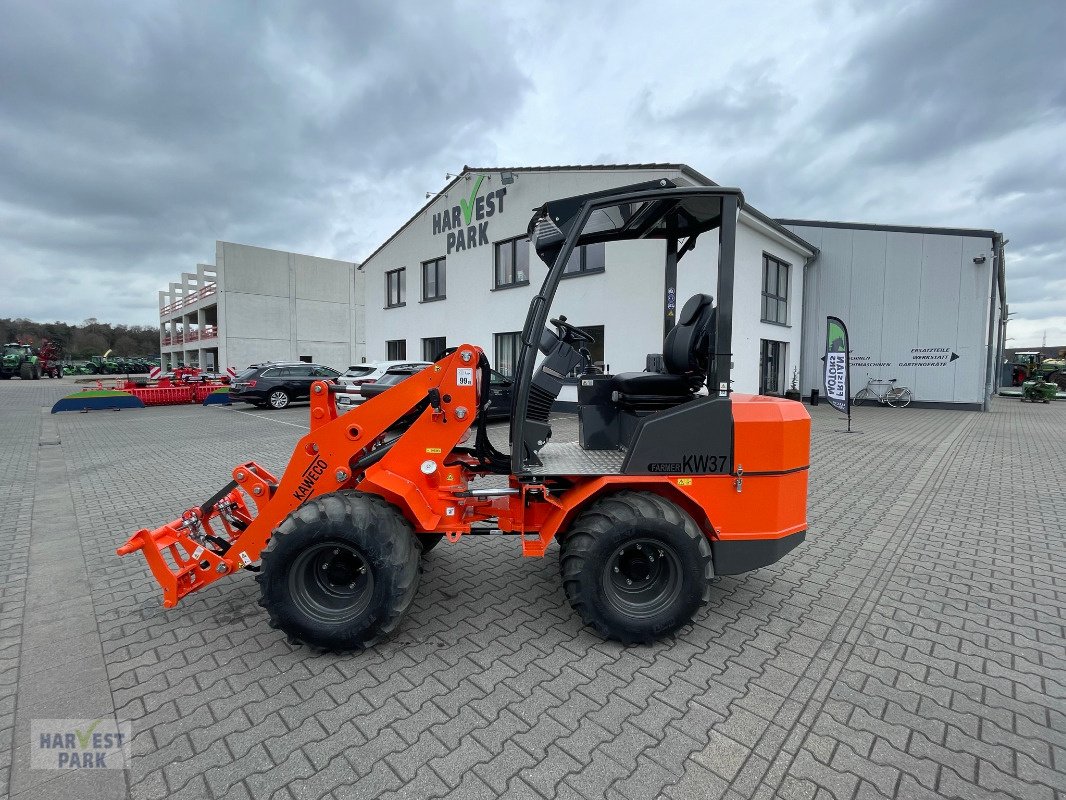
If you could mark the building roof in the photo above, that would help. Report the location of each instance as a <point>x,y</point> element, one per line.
<point>698,177</point>
<point>866,226</point>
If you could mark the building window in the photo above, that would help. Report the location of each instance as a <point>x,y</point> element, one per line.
<point>587,258</point>
<point>433,284</point>
<point>396,349</point>
<point>507,346</point>
<point>512,263</point>
<point>396,288</point>
<point>433,347</point>
<point>772,358</point>
<point>774,290</point>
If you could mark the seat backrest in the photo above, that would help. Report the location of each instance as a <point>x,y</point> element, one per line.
<point>687,348</point>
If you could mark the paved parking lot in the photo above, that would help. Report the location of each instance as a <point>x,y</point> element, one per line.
<point>913,647</point>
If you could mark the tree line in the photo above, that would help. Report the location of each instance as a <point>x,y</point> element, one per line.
<point>90,338</point>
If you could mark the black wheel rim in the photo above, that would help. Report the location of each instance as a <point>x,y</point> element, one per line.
<point>331,582</point>
<point>642,578</point>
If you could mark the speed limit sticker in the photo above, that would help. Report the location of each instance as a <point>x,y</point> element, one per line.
<point>464,376</point>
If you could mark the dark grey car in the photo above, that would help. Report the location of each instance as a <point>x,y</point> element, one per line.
<point>277,385</point>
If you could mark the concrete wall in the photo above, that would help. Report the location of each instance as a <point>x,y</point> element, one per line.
<point>277,305</point>
<point>911,300</point>
<point>627,298</point>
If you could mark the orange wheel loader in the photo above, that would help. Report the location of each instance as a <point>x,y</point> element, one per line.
<point>674,478</point>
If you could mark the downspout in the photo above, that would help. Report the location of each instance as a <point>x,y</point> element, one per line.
<point>805,345</point>
<point>997,283</point>
<point>1003,308</point>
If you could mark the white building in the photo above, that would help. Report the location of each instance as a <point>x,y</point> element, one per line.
<point>461,270</point>
<point>923,305</point>
<point>255,304</point>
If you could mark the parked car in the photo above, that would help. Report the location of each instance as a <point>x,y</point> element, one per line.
<point>358,374</point>
<point>275,385</point>
<point>500,390</point>
<point>388,378</point>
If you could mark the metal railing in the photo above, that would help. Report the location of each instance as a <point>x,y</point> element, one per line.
<point>188,300</point>
<point>208,332</point>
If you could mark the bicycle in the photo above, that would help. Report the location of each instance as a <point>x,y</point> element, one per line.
<point>885,393</point>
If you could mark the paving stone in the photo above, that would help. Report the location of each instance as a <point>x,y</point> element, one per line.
<point>914,634</point>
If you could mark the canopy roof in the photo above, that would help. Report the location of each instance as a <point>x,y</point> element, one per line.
<point>643,211</point>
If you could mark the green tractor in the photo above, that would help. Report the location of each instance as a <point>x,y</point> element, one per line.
<point>19,360</point>
<point>1039,390</point>
<point>102,365</point>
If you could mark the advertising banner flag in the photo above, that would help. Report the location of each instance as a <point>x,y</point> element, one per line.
<point>837,383</point>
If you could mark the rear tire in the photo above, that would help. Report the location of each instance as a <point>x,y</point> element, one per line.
<point>902,400</point>
<point>26,372</point>
<point>340,571</point>
<point>279,399</point>
<point>636,567</point>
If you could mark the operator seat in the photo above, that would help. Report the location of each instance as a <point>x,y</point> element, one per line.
<point>686,355</point>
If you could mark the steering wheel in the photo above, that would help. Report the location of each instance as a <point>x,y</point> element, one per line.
<point>572,333</point>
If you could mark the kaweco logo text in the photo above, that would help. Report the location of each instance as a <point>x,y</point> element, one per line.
<point>310,478</point>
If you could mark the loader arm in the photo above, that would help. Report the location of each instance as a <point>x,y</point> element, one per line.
<point>416,471</point>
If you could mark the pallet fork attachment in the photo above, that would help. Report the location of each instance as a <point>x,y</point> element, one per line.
<point>198,542</point>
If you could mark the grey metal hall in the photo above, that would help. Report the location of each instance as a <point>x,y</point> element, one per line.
<point>925,306</point>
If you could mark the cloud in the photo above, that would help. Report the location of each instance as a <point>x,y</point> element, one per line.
<point>935,77</point>
<point>131,140</point>
<point>746,103</point>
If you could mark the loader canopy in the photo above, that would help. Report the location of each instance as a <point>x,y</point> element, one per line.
<point>652,210</point>
<point>681,214</point>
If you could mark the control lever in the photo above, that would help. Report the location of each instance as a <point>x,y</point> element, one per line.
<point>434,401</point>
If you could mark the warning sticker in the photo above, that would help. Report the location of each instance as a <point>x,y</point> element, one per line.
<point>464,376</point>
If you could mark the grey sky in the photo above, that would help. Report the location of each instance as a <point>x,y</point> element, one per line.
<point>132,136</point>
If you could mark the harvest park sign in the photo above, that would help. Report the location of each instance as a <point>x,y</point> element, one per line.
<point>467,224</point>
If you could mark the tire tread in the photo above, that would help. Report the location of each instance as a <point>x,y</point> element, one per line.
<point>578,545</point>
<point>353,510</point>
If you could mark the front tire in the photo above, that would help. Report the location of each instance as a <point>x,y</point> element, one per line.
<point>429,541</point>
<point>340,571</point>
<point>636,567</point>
<point>863,396</point>
<point>279,399</point>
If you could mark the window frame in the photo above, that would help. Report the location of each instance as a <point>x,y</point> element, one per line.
<point>516,346</point>
<point>440,269</point>
<point>776,297</point>
<point>389,356</point>
<point>583,268</point>
<point>512,245</point>
<point>779,350</point>
<point>426,340</point>
<point>401,288</point>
